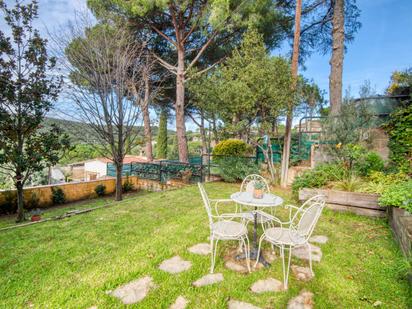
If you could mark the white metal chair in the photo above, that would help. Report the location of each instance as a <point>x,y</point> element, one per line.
<point>224,227</point>
<point>248,185</point>
<point>295,232</point>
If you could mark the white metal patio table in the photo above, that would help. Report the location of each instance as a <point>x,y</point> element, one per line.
<point>268,201</point>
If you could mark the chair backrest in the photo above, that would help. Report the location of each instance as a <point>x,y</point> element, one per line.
<point>248,183</point>
<point>206,202</point>
<point>305,219</point>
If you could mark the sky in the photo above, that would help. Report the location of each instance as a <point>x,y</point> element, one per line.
<point>382,45</point>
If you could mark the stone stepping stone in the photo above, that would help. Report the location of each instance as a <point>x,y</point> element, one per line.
<point>303,301</point>
<point>235,304</point>
<point>236,267</point>
<point>134,291</point>
<point>180,303</point>
<point>267,285</point>
<point>319,239</point>
<point>208,279</point>
<point>175,265</point>
<point>302,252</point>
<point>302,273</point>
<point>201,249</point>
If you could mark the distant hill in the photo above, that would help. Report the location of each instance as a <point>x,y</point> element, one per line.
<point>81,133</point>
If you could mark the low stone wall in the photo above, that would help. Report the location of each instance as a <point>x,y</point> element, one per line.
<point>76,191</point>
<point>401,223</point>
<point>360,203</point>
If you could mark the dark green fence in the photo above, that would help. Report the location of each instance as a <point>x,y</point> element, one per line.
<point>162,170</point>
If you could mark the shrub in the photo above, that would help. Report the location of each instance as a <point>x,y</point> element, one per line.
<point>233,169</point>
<point>319,176</point>
<point>398,195</point>
<point>350,184</point>
<point>100,190</point>
<point>367,163</point>
<point>127,185</point>
<point>231,147</point>
<point>58,196</point>
<point>379,181</point>
<point>9,205</point>
<point>33,202</point>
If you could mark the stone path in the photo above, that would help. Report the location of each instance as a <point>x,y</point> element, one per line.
<point>320,239</point>
<point>180,303</point>
<point>201,249</point>
<point>237,267</point>
<point>267,285</point>
<point>134,291</point>
<point>175,265</point>
<point>302,252</point>
<point>302,273</point>
<point>235,304</point>
<point>303,301</point>
<point>208,279</point>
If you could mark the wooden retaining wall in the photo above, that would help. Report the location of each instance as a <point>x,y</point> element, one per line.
<point>401,224</point>
<point>360,203</point>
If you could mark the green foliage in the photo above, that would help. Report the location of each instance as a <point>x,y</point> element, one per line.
<point>81,152</point>
<point>9,206</point>
<point>100,190</point>
<point>350,184</point>
<point>319,176</point>
<point>33,202</point>
<point>161,146</point>
<point>127,185</point>
<point>195,148</point>
<point>172,150</point>
<point>368,162</point>
<point>27,93</point>
<point>401,83</point>
<point>58,196</point>
<point>233,169</point>
<point>259,185</point>
<point>399,129</point>
<point>379,181</point>
<point>231,147</point>
<point>398,195</point>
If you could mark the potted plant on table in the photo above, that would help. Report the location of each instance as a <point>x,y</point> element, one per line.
<point>258,189</point>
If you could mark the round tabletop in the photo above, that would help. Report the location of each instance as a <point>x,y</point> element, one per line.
<point>247,199</point>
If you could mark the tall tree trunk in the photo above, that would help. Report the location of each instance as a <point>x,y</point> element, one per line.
<point>119,168</point>
<point>336,61</point>
<point>214,129</point>
<point>161,146</point>
<point>146,119</point>
<point>20,210</point>
<point>289,118</point>
<point>203,138</point>
<point>180,106</point>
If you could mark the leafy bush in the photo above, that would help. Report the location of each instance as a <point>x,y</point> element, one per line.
<point>350,184</point>
<point>9,206</point>
<point>379,181</point>
<point>319,176</point>
<point>398,195</point>
<point>58,196</point>
<point>399,129</point>
<point>100,190</point>
<point>33,202</point>
<point>368,162</point>
<point>233,169</point>
<point>231,147</point>
<point>127,185</point>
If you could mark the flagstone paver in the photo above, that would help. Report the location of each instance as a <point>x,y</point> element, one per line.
<point>202,249</point>
<point>302,273</point>
<point>235,304</point>
<point>302,252</point>
<point>236,267</point>
<point>175,265</point>
<point>320,239</point>
<point>303,301</point>
<point>180,303</point>
<point>267,285</point>
<point>134,291</point>
<point>208,279</point>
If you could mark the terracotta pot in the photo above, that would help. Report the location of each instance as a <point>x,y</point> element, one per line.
<point>35,218</point>
<point>258,193</point>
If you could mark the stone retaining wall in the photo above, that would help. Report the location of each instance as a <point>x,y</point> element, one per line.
<point>401,223</point>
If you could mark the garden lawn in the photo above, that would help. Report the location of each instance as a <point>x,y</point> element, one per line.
<point>71,263</point>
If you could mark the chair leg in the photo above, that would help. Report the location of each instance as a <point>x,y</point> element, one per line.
<point>213,254</point>
<point>240,249</point>
<point>259,247</point>
<point>282,254</point>
<point>287,270</point>
<point>310,258</point>
<point>247,251</point>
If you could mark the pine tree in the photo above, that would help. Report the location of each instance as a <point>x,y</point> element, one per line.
<point>161,147</point>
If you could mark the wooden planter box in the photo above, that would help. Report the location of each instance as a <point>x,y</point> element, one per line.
<point>401,224</point>
<point>360,203</point>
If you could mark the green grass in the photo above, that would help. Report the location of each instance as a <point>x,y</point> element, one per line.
<point>71,263</point>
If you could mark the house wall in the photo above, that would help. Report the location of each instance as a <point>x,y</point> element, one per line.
<point>98,167</point>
